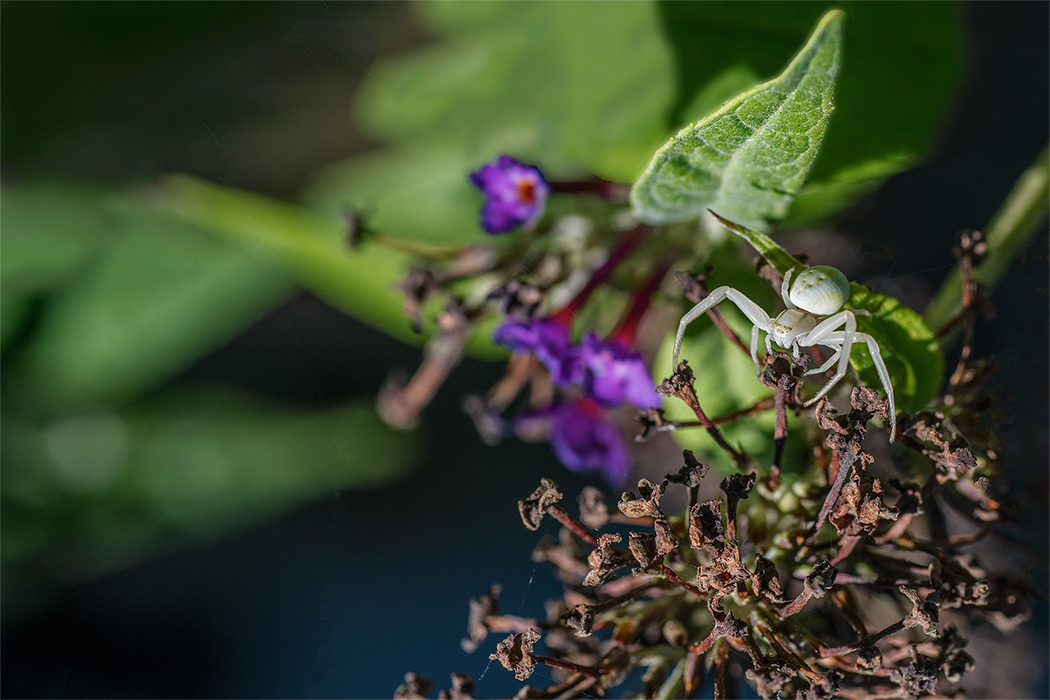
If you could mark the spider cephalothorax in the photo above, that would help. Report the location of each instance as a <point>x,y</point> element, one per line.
<point>813,316</point>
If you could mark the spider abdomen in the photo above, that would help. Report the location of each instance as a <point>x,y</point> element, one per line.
<point>820,290</point>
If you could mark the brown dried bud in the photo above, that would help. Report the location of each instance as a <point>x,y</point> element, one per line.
<point>706,528</point>
<point>515,653</point>
<point>666,542</point>
<point>869,658</point>
<point>643,548</point>
<point>919,678</point>
<point>737,487</point>
<point>821,579</point>
<point>534,507</point>
<point>648,505</point>
<point>480,610</point>
<point>923,614</point>
<point>581,619</point>
<point>462,688</point>
<point>593,511</point>
<point>691,473</point>
<point>417,286</point>
<point>860,506</point>
<point>414,688</point>
<point>765,582</point>
<point>605,559</point>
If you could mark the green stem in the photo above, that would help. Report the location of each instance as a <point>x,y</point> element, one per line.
<point>1010,229</point>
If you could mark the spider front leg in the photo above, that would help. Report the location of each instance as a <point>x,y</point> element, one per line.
<point>753,311</point>
<point>842,342</point>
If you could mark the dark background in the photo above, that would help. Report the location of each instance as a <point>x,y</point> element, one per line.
<point>343,596</point>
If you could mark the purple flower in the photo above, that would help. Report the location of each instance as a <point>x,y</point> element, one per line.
<point>515,194</point>
<point>585,441</point>
<point>549,339</point>
<point>581,437</point>
<point>614,373</point>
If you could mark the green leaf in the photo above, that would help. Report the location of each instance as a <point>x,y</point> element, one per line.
<point>749,159</point>
<point>128,308</point>
<point>103,487</point>
<point>910,349</point>
<point>419,195</point>
<point>885,111</point>
<point>312,248</point>
<point>51,232</point>
<point>574,86</point>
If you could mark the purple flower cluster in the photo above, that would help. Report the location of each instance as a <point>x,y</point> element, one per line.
<point>602,373</point>
<point>515,194</point>
<point>610,373</point>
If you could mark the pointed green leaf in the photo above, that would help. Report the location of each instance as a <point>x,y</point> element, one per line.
<point>911,351</point>
<point>749,159</point>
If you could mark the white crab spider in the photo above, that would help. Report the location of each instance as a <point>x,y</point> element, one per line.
<point>818,292</point>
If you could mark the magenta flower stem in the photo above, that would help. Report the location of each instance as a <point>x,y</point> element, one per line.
<point>612,191</point>
<point>616,256</point>
<point>628,327</point>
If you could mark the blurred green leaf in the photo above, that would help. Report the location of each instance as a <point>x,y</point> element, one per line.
<point>749,159</point>
<point>313,249</point>
<point>910,349</point>
<point>421,195</point>
<point>131,294</point>
<point>87,491</point>
<point>571,85</point>
<point>901,66</point>
<point>51,232</point>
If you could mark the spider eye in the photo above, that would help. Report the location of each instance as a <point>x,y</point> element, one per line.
<point>820,290</point>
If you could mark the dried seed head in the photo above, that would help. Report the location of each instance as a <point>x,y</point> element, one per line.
<point>869,658</point>
<point>581,619</point>
<point>706,528</point>
<point>821,579</point>
<point>462,688</point>
<point>765,582</point>
<point>477,620</point>
<point>923,614</point>
<point>534,507</point>
<point>919,678</point>
<point>593,511</point>
<point>690,473</point>
<point>648,505</point>
<point>605,559</point>
<point>515,653</point>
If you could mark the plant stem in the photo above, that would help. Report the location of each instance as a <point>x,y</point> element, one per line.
<point>1010,228</point>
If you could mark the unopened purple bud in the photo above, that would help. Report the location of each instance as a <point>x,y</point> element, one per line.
<point>614,373</point>
<point>515,194</point>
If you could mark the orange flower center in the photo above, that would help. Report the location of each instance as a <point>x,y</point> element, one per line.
<point>526,191</point>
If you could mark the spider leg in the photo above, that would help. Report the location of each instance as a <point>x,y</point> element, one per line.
<point>785,288</point>
<point>750,309</point>
<point>884,376</point>
<point>830,361</point>
<point>833,340</point>
<point>823,331</point>
<point>754,348</point>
